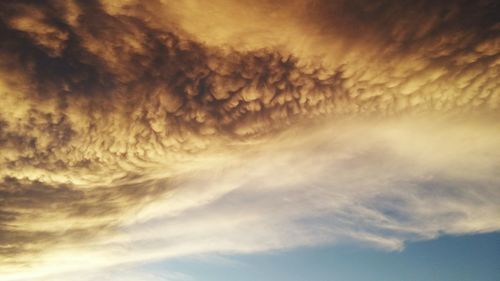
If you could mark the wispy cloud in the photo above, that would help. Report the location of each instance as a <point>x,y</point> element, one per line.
<point>370,182</point>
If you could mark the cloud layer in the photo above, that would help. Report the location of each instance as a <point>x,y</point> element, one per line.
<point>231,125</point>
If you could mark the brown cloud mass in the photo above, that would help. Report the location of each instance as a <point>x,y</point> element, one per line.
<point>107,104</point>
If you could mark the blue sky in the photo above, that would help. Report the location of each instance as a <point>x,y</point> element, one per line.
<point>449,258</point>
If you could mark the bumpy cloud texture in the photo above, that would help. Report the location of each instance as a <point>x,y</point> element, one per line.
<point>110,108</point>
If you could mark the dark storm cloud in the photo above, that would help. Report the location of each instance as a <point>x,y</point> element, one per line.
<point>96,101</point>
<point>106,97</point>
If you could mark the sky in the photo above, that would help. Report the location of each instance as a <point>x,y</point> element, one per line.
<point>196,140</point>
<point>470,257</point>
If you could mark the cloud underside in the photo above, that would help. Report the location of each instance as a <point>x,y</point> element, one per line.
<point>141,130</point>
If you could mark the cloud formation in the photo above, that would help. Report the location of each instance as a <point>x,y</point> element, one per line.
<point>194,113</point>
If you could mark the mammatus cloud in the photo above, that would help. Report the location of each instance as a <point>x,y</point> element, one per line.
<point>140,130</point>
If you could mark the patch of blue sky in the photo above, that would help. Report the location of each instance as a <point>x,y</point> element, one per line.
<point>448,258</point>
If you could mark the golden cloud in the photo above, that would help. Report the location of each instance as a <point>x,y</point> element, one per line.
<point>109,105</point>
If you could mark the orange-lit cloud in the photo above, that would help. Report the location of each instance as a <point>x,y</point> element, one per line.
<point>117,114</point>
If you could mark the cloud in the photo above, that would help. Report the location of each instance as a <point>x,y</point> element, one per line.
<point>194,114</point>
<point>381,183</point>
<point>378,183</point>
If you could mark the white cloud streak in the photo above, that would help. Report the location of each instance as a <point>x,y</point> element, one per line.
<point>379,183</point>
